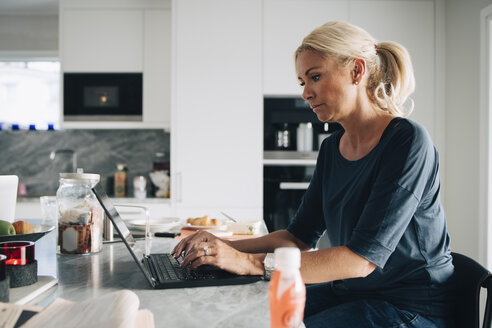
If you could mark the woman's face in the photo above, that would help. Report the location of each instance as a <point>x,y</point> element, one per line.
<point>328,87</point>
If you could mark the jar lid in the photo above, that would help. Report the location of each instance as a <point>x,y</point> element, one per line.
<point>80,176</point>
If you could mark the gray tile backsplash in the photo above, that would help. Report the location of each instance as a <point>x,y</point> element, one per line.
<point>27,154</point>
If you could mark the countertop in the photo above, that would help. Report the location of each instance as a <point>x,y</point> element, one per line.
<point>82,277</point>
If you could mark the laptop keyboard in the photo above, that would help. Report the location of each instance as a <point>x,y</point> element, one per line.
<point>166,268</point>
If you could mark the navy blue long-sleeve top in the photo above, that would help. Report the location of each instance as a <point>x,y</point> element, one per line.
<point>386,208</point>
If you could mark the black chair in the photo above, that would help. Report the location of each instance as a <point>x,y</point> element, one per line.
<point>469,278</point>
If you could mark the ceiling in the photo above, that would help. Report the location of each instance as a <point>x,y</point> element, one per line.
<point>28,6</point>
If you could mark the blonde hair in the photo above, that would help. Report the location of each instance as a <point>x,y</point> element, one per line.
<point>388,65</point>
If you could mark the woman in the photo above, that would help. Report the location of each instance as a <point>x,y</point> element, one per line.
<point>375,191</point>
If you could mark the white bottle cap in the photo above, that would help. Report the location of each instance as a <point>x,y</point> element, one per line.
<point>287,257</point>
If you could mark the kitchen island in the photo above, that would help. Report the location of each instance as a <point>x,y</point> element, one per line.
<point>81,277</point>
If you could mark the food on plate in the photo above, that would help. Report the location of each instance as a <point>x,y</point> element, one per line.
<point>6,228</point>
<point>23,227</point>
<point>204,221</point>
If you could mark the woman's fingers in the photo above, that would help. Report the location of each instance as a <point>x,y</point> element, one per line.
<point>186,244</point>
<point>201,261</point>
<point>180,247</point>
<point>204,248</point>
<point>198,238</point>
<point>199,249</point>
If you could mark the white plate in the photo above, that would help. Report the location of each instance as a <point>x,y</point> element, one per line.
<point>39,231</point>
<point>156,225</point>
<point>202,227</point>
<point>220,233</point>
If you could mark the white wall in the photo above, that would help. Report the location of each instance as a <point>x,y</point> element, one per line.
<point>462,117</point>
<point>19,33</point>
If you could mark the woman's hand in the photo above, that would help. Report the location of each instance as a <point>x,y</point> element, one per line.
<point>204,248</point>
<point>186,244</point>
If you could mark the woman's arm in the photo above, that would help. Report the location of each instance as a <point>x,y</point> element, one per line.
<point>316,266</point>
<point>264,244</point>
<point>241,257</point>
<point>268,243</point>
<point>333,264</point>
<point>246,256</point>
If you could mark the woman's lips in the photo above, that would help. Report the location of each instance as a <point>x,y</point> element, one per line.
<point>314,107</point>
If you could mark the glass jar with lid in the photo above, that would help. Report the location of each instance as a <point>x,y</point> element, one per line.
<point>80,216</point>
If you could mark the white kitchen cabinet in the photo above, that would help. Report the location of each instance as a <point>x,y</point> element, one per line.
<point>101,40</point>
<point>157,66</point>
<point>216,117</point>
<point>286,23</point>
<point>112,36</point>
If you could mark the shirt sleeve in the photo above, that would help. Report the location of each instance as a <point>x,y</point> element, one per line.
<point>406,171</point>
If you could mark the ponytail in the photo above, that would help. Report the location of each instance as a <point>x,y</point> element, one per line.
<point>392,80</point>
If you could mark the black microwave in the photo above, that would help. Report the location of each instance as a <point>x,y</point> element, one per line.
<point>102,96</point>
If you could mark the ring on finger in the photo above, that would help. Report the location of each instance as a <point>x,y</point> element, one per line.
<point>205,250</point>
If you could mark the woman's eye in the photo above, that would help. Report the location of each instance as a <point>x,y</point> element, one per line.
<point>302,84</point>
<point>315,77</point>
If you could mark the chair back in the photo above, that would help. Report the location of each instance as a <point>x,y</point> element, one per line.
<point>469,277</point>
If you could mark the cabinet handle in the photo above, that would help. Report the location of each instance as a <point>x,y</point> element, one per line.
<point>179,185</point>
<point>294,185</point>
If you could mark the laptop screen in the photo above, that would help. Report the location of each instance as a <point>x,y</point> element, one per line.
<point>120,225</point>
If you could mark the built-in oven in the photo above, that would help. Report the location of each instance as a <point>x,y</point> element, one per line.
<point>102,96</point>
<point>288,169</point>
<point>286,178</point>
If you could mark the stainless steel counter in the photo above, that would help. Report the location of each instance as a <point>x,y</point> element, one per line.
<point>83,277</point>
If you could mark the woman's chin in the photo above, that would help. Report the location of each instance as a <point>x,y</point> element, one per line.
<point>324,118</point>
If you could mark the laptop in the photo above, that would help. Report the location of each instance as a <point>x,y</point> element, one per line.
<point>162,270</point>
<point>8,197</point>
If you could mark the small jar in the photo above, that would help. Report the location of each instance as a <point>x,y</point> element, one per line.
<point>80,216</point>
<point>160,163</point>
<point>160,176</point>
<point>120,180</point>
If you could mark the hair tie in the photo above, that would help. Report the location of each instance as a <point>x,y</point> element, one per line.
<point>376,48</point>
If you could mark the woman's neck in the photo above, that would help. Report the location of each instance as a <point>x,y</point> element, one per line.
<point>363,130</point>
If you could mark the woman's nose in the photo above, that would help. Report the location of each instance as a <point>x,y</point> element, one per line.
<point>307,93</point>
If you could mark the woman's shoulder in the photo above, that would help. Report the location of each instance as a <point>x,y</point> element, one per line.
<point>414,133</point>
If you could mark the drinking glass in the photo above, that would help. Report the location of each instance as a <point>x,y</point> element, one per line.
<point>49,210</point>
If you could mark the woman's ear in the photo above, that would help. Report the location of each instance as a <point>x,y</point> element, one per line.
<point>359,70</point>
